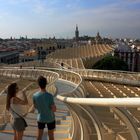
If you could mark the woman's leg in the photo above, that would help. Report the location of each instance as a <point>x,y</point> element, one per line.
<point>19,135</point>
<point>51,134</point>
<point>40,134</point>
<point>15,135</point>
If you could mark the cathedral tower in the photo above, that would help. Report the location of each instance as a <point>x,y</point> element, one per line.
<point>76,33</point>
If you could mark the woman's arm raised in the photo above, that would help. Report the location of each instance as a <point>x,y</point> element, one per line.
<point>17,100</point>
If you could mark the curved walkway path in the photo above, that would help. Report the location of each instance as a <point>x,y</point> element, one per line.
<point>64,120</point>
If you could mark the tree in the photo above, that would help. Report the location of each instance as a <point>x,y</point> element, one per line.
<point>111,63</point>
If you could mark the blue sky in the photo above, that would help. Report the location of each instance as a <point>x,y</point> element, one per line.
<point>44,18</point>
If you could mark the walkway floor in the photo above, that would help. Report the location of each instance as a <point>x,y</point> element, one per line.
<point>62,117</point>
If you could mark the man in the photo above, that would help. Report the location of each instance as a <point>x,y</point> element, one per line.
<point>44,103</point>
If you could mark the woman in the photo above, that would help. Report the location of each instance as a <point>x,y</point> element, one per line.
<point>14,105</point>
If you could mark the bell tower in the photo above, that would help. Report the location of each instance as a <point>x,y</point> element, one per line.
<point>76,33</point>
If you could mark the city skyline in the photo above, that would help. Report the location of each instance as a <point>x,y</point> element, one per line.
<point>48,18</point>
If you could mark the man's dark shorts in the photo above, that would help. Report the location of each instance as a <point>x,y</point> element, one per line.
<point>50,125</point>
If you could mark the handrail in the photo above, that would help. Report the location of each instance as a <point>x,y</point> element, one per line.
<point>121,77</point>
<point>35,64</point>
<point>64,71</point>
<point>106,102</point>
<point>120,102</point>
<point>19,71</point>
<point>88,72</point>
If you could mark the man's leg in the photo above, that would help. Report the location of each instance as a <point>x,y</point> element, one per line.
<point>41,127</point>
<point>51,134</point>
<point>51,127</point>
<point>40,134</point>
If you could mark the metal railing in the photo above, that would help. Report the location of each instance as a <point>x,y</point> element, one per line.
<point>122,77</point>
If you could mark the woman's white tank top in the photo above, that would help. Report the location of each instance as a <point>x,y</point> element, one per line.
<point>19,109</point>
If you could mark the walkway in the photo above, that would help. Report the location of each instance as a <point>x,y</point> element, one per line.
<point>63,120</point>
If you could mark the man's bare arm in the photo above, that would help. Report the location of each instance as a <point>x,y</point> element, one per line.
<point>53,108</point>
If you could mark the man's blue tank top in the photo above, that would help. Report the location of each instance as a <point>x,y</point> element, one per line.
<point>43,103</point>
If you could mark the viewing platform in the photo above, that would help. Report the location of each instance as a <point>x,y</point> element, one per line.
<point>63,120</point>
<point>91,104</point>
